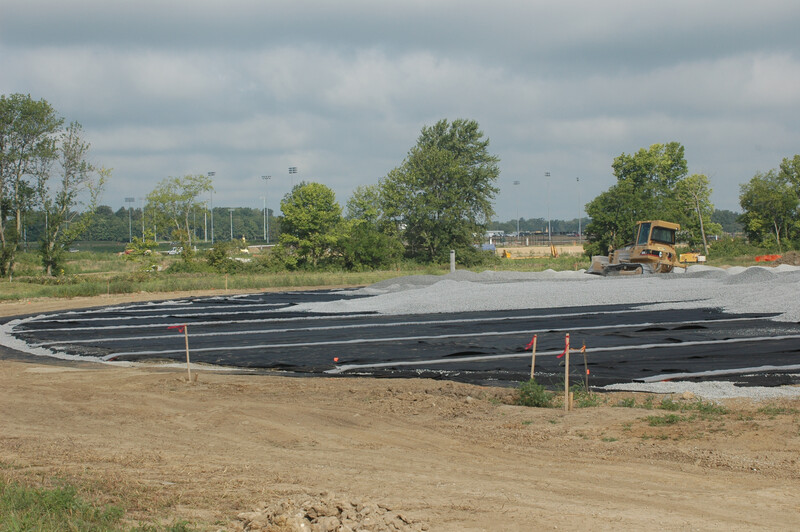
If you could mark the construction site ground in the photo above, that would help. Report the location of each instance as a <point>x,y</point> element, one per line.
<point>444,455</point>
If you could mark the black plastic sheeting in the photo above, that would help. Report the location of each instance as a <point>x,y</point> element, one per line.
<point>264,332</point>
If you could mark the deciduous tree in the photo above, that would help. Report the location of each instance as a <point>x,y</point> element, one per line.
<point>769,202</point>
<point>644,190</point>
<point>311,217</point>
<point>694,195</point>
<point>74,177</point>
<point>441,195</point>
<point>28,130</point>
<point>173,201</point>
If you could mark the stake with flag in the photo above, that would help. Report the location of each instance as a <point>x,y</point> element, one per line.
<point>532,347</point>
<point>185,330</point>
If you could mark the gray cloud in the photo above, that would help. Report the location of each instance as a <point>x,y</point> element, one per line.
<point>341,90</point>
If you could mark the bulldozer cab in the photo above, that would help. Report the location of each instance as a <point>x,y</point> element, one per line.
<point>655,232</point>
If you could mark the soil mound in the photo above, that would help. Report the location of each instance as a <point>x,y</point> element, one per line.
<point>790,257</point>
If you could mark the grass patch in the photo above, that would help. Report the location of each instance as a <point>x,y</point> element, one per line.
<point>60,508</point>
<point>669,404</point>
<point>774,410</point>
<point>629,402</point>
<point>666,419</point>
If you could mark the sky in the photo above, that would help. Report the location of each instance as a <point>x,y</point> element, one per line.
<point>341,90</point>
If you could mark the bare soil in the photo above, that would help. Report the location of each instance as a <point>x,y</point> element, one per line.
<point>443,455</point>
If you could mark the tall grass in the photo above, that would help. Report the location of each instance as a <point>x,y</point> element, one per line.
<point>69,286</point>
<point>93,273</point>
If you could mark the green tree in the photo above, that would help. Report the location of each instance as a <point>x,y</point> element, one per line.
<point>644,190</point>
<point>367,238</point>
<point>769,202</point>
<point>76,176</point>
<point>310,223</point>
<point>441,195</point>
<point>174,200</point>
<point>28,131</point>
<point>790,171</point>
<point>694,195</point>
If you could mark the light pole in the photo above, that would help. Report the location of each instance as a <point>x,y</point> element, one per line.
<point>266,179</point>
<point>130,229</point>
<point>517,183</point>
<point>231,211</point>
<point>141,202</point>
<point>292,171</point>
<point>549,234</point>
<point>211,175</point>
<point>580,211</point>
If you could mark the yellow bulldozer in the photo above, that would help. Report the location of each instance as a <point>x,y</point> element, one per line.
<point>652,251</point>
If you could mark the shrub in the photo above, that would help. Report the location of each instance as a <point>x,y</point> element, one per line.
<point>190,266</point>
<point>730,247</point>
<point>532,394</point>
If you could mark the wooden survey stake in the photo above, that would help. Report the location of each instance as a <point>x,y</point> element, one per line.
<point>533,356</point>
<point>566,375</point>
<point>186,337</point>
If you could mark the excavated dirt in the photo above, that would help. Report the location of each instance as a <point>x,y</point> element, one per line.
<point>790,257</point>
<point>247,452</point>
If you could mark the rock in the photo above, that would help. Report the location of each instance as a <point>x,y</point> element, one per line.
<point>687,396</point>
<point>326,524</point>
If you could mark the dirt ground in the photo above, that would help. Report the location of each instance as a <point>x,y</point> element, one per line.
<point>445,456</point>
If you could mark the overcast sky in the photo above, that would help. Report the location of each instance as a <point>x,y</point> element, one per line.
<point>247,88</point>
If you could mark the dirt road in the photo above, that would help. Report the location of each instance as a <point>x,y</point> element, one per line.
<point>445,456</point>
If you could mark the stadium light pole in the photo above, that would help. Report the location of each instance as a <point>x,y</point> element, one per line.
<point>517,183</point>
<point>266,179</point>
<point>292,171</point>
<point>211,176</point>
<point>549,234</point>
<point>130,228</point>
<point>141,202</point>
<point>231,211</point>
<point>580,211</point>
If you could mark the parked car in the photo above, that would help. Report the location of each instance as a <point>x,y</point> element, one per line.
<point>175,251</point>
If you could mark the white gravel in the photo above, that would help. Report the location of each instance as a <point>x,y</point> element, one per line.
<point>734,290</point>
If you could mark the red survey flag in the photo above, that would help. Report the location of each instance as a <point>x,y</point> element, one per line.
<point>180,328</point>
<point>530,344</point>
<point>564,352</point>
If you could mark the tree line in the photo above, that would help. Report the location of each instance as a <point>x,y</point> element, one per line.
<point>439,198</point>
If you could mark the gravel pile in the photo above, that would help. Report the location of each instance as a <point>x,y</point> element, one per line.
<point>736,290</point>
<point>326,514</point>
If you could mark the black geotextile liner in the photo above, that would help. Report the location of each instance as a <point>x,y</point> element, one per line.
<point>623,343</point>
